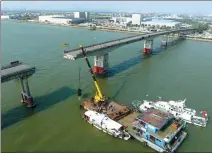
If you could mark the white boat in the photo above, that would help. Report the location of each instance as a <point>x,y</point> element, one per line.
<point>178,109</point>
<point>105,124</point>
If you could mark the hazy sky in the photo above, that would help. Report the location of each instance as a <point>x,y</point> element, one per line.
<point>199,7</point>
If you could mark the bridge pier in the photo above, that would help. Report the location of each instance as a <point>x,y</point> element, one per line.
<point>29,98</point>
<point>101,64</point>
<point>22,91</point>
<point>165,42</point>
<point>25,94</point>
<point>148,46</point>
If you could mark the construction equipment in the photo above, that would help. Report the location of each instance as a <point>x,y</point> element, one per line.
<point>98,97</point>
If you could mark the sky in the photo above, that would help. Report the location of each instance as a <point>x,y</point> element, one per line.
<point>189,7</point>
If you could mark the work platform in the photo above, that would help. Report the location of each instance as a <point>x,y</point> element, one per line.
<point>76,53</point>
<point>15,71</point>
<point>113,109</point>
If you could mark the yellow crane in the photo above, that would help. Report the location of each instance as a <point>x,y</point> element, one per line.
<point>99,97</point>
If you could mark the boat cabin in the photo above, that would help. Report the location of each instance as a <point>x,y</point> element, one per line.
<point>158,127</point>
<point>103,121</point>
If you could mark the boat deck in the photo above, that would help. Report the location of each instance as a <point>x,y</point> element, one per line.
<point>127,121</point>
<point>113,109</point>
<point>168,130</point>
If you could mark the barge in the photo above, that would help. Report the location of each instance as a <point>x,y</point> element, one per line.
<point>156,129</point>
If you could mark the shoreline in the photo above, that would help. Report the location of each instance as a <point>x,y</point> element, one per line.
<point>100,29</point>
<point>75,26</point>
<point>194,38</point>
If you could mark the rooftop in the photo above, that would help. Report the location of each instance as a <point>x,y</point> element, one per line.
<point>159,22</point>
<point>155,117</point>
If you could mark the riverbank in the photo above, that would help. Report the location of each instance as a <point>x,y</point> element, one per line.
<point>77,26</point>
<point>193,38</point>
<point>101,29</point>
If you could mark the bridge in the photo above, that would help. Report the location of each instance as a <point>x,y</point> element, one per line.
<point>20,71</point>
<point>100,50</point>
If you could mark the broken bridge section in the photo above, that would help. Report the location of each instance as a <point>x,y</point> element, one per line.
<point>18,70</point>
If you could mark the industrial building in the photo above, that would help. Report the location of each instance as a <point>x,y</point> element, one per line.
<point>161,23</point>
<point>136,19</point>
<point>58,19</point>
<point>81,15</point>
<point>5,16</point>
<point>121,19</point>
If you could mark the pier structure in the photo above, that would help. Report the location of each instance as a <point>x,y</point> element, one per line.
<point>101,64</point>
<point>101,51</point>
<point>18,70</point>
<point>148,45</point>
<point>173,37</point>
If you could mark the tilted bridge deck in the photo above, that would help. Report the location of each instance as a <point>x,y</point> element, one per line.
<point>15,72</point>
<point>76,53</point>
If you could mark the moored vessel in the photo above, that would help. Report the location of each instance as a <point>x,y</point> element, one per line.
<point>159,130</point>
<point>178,109</point>
<point>105,124</point>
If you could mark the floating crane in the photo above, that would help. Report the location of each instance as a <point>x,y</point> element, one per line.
<point>99,97</point>
<point>100,103</point>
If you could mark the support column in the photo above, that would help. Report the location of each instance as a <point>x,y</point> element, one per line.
<point>148,46</point>
<point>23,99</point>
<point>29,98</point>
<point>164,43</point>
<point>101,64</point>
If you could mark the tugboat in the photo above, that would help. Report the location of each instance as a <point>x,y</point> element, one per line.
<point>178,109</point>
<point>105,124</point>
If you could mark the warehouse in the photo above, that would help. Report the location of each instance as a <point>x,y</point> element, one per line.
<point>5,17</point>
<point>56,19</point>
<point>161,23</point>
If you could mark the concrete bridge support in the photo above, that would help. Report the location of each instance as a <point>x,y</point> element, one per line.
<point>165,42</point>
<point>148,44</point>
<point>25,94</point>
<point>22,90</point>
<point>101,64</point>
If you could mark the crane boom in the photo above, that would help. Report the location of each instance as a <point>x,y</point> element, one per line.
<point>98,97</point>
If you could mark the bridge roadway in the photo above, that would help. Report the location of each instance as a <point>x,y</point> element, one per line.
<point>77,53</point>
<point>16,71</point>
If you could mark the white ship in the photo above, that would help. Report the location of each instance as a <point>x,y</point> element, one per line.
<point>107,125</point>
<point>177,109</point>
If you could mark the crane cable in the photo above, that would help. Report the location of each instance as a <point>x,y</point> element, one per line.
<point>79,91</point>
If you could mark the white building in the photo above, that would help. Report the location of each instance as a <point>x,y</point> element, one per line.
<point>87,14</point>
<point>136,19</point>
<point>122,19</point>
<point>5,16</point>
<point>161,23</point>
<point>81,15</point>
<point>58,19</point>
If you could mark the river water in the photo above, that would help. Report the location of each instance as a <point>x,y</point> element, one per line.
<point>181,71</point>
